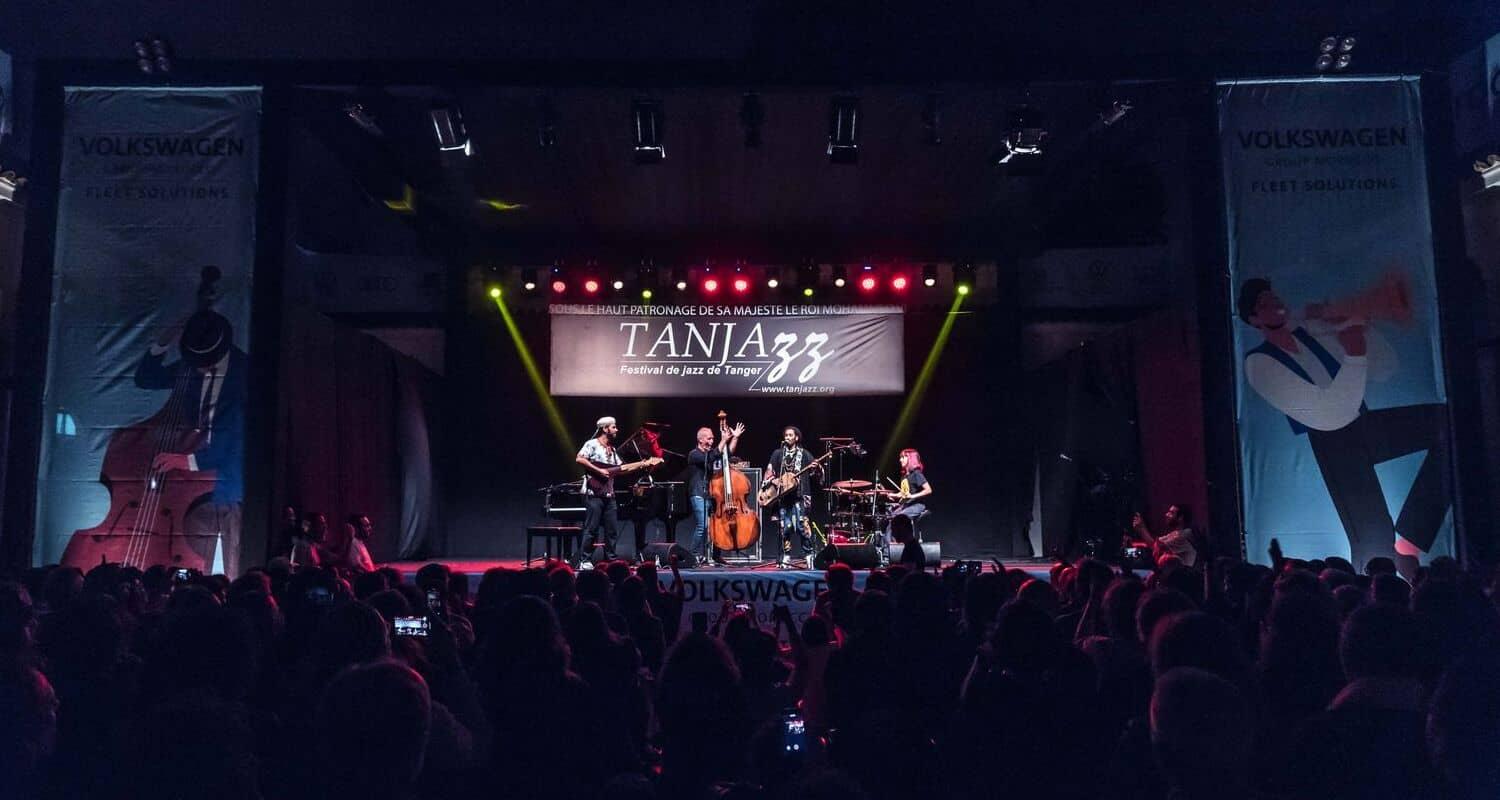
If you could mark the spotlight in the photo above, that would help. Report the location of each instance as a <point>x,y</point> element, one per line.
<point>153,54</point>
<point>899,283</point>
<point>840,276</point>
<point>559,286</point>
<point>448,125</point>
<point>963,277</point>
<point>528,279</point>
<point>868,283</point>
<point>646,275</point>
<point>807,291</point>
<point>843,130</point>
<point>1329,44</point>
<point>591,286</point>
<point>773,282</point>
<point>752,116</point>
<point>647,118</point>
<point>807,276</point>
<point>618,284</point>
<point>495,292</point>
<point>741,285</point>
<point>929,275</point>
<point>1335,53</point>
<point>711,285</point>
<point>646,294</point>
<point>1347,43</point>
<point>1024,134</point>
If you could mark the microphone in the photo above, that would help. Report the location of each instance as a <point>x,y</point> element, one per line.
<point>655,425</point>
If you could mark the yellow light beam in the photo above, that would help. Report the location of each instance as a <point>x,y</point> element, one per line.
<point>897,440</point>
<point>554,417</point>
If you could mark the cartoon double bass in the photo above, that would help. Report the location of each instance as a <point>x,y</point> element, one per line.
<point>735,524</point>
<point>175,478</point>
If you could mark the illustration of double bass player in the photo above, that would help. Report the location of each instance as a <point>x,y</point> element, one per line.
<point>176,479</point>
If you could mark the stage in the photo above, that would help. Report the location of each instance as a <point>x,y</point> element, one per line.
<point>707,589</point>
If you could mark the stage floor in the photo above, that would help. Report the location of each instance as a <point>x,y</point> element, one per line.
<point>474,568</point>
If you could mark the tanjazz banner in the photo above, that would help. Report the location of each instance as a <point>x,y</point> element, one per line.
<point>720,350</point>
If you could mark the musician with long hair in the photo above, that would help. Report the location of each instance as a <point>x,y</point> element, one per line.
<point>792,506</point>
<point>911,498</point>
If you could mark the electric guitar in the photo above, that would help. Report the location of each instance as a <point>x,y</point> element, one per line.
<point>601,486</point>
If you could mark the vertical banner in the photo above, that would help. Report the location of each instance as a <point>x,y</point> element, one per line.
<point>1341,408</point>
<point>144,407</point>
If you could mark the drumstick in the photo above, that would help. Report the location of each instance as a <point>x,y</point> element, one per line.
<point>893,483</point>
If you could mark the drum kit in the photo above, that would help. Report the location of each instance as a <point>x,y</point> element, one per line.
<point>861,509</point>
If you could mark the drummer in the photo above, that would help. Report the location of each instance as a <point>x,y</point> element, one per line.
<point>914,489</point>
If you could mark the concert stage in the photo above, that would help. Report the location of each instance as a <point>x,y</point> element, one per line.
<point>706,589</point>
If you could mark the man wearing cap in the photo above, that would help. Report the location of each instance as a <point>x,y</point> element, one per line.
<point>597,456</point>
<point>211,373</point>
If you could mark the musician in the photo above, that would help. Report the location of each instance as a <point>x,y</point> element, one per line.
<point>914,488</point>
<point>704,461</point>
<point>793,505</point>
<point>1316,375</point>
<point>596,456</point>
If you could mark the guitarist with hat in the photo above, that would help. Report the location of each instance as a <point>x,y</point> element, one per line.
<point>602,463</point>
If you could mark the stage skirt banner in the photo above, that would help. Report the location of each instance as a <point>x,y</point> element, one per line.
<point>761,590</point>
<point>726,351</point>
<point>144,406</point>
<point>1341,405</point>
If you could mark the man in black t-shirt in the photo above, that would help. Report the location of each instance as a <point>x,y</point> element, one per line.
<point>792,506</point>
<point>704,461</point>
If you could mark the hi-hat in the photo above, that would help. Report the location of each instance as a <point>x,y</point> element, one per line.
<point>852,485</point>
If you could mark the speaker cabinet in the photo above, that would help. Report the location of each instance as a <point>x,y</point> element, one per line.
<point>857,556</point>
<point>661,553</point>
<point>922,555</point>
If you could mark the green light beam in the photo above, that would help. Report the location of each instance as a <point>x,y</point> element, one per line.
<point>554,417</point>
<point>897,439</point>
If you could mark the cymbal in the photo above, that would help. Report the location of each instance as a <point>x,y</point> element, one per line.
<point>852,485</point>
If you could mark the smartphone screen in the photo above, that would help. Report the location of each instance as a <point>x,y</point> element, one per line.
<point>434,601</point>
<point>411,626</point>
<point>793,734</point>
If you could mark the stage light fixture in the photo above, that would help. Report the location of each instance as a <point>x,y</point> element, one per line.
<point>618,284</point>
<point>153,54</point>
<point>10,185</point>
<point>495,292</point>
<point>899,283</point>
<point>807,291</point>
<point>840,276</point>
<point>843,130</point>
<point>963,277</point>
<point>807,275</point>
<point>752,116</point>
<point>868,283</point>
<point>1024,134</point>
<point>1116,112</point>
<point>741,285</point>
<point>591,286</point>
<point>646,275</point>
<point>448,125</point>
<point>929,275</point>
<point>559,285</point>
<point>773,282</point>
<point>1335,53</point>
<point>646,294</point>
<point>711,285</point>
<point>647,118</point>
<point>528,279</point>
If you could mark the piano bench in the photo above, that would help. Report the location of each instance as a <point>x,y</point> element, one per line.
<point>560,536</point>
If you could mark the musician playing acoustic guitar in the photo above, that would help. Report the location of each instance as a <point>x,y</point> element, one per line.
<point>791,507</point>
<point>602,463</point>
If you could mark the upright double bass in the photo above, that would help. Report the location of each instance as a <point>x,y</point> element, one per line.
<point>150,519</point>
<point>734,525</point>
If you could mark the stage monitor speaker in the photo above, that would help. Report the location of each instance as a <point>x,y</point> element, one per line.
<point>857,556</point>
<point>926,556</point>
<point>661,553</point>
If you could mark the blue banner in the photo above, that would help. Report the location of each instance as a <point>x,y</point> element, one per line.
<point>147,361</point>
<point>1341,408</point>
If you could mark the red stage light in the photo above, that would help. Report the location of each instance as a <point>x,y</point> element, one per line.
<point>711,285</point>
<point>559,287</point>
<point>741,285</point>
<point>867,283</point>
<point>591,286</point>
<point>899,283</point>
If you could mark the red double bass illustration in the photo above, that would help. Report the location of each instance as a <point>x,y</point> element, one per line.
<point>150,518</point>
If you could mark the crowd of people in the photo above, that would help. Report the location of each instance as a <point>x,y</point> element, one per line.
<point>1306,679</point>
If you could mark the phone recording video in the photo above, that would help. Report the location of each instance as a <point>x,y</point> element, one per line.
<point>793,734</point>
<point>411,626</point>
<point>435,602</point>
<point>744,608</point>
<point>182,575</point>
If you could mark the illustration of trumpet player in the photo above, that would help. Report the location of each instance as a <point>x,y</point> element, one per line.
<point>1314,369</point>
